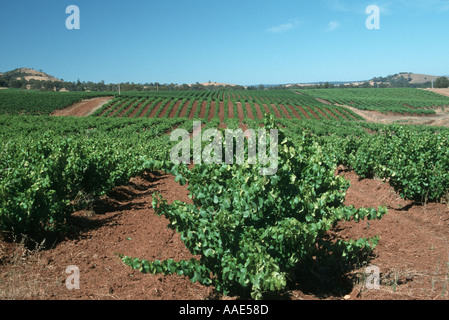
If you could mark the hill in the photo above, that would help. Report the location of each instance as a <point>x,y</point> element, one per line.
<point>406,79</point>
<point>418,78</point>
<point>28,74</point>
<point>215,84</point>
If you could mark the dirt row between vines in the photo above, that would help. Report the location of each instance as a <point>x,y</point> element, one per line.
<point>412,255</point>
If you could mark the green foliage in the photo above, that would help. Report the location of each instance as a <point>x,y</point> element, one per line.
<point>16,102</point>
<point>279,99</point>
<point>415,162</point>
<point>252,231</point>
<point>398,100</point>
<point>442,82</point>
<point>51,166</point>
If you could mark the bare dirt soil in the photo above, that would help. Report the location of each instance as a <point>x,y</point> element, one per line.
<point>184,109</point>
<point>202,113</point>
<point>249,111</point>
<point>212,110</point>
<point>156,109</point>
<point>136,110</point>
<point>294,111</point>
<point>123,223</point>
<point>241,115</point>
<point>304,113</point>
<point>83,108</point>
<point>444,92</point>
<point>441,118</point>
<point>258,111</point>
<point>221,111</point>
<point>412,255</point>
<point>193,110</point>
<point>276,111</point>
<point>230,109</point>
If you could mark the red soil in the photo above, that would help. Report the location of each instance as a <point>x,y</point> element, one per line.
<point>258,111</point>
<point>284,110</point>
<point>193,110</point>
<point>83,108</point>
<point>221,111</point>
<point>412,253</point>
<point>240,111</point>
<point>134,113</point>
<point>303,112</point>
<point>117,109</point>
<point>203,109</point>
<point>165,110</point>
<point>346,114</point>
<point>249,111</point>
<point>230,110</point>
<point>184,109</point>
<point>122,113</point>
<point>156,109</point>
<point>331,113</point>
<point>175,109</point>
<point>267,110</point>
<point>314,114</point>
<point>294,111</point>
<point>276,111</point>
<point>212,110</point>
<point>323,115</point>
<point>145,110</point>
<point>338,112</point>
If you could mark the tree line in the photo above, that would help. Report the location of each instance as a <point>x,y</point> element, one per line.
<point>14,82</point>
<point>18,81</point>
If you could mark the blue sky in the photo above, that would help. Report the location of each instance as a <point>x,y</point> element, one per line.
<point>244,42</point>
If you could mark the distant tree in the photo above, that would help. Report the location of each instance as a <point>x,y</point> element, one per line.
<point>100,86</point>
<point>365,85</point>
<point>198,86</point>
<point>261,87</point>
<point>184,86</point>
<point>19,84</point>
<point>36,85</point>
<point>442,82</point>
<point>79,86</point>
<point>70,86</point>
<point>58,85</point>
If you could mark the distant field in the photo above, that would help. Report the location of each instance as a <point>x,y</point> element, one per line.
<point>18,102</point>
<point>241,105</point>
<point>314,104</point>
<point>395,100</point>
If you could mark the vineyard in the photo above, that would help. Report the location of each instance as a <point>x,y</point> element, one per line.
<point>14,102</point>
<point>243,234</point>
<point>224,105</point>
<point>385,100</point>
